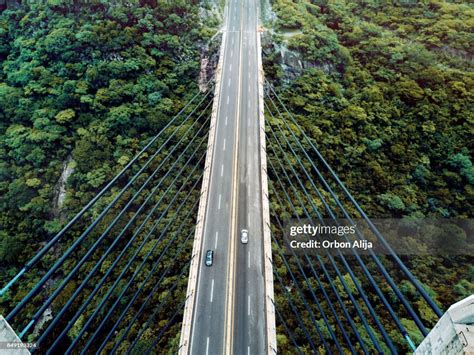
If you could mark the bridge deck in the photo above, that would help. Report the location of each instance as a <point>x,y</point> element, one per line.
<point>229,301</point>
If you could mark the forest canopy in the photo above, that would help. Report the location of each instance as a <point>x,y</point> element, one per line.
<point>385,91</point>
<point>84,84</point>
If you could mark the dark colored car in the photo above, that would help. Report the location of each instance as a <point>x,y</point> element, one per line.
<point>209,257</point>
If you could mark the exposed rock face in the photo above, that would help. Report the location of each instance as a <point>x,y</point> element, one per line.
<point>60,188</point>
<point>267,15</point>
<point>209,60</point>
<point>210,12</point>
<point>203,73</point>
<point>275,44</point>
<point>44,318</point>
<point>292,62</point>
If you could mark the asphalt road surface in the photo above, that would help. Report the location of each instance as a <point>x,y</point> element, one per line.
<point>229,313</point>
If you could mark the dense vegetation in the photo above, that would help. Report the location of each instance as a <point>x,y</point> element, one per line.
<point>90,81</point>
<point>385,89</point>
<point>84,85</point>
<point>390,98</point>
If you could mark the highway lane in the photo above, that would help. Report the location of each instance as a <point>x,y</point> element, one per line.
<point>228,313</point>
<point>249,309</point>
<point>207,332</point>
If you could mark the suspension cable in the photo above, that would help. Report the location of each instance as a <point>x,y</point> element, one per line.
<point>163,275</point>
<point>297,348</point>
<point>99,285</point>
<point>32,262</point>
<point>142,307</point>
<point>61,260</point>
<point>343,282</point>
<point>102,281</point>
<point>150,318</point>
<point>311,314</point>
<point>347,267</point>
<point>374,229</point>
<point>38,314</point>
<point>167,325</point>
<point>328,277</point>
<point>380,266</point>
<point>326,322</point>
<point>303,273</point>
<point>97,309</point>
<point>341,303</point>
<point>295,310</point>
<point>360,261</point>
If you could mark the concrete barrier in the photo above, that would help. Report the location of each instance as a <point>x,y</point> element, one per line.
<point>10,344</point>
<point>267,241</point>
<point>454,332</point>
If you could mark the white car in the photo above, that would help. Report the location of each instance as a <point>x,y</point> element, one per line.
<point>244,236</point>
<point>209,257</point>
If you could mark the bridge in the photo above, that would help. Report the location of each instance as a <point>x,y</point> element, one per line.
<point>227,310</point>
<point>126,274</point>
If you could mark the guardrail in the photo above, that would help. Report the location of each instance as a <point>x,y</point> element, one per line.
<point>267,242</point>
